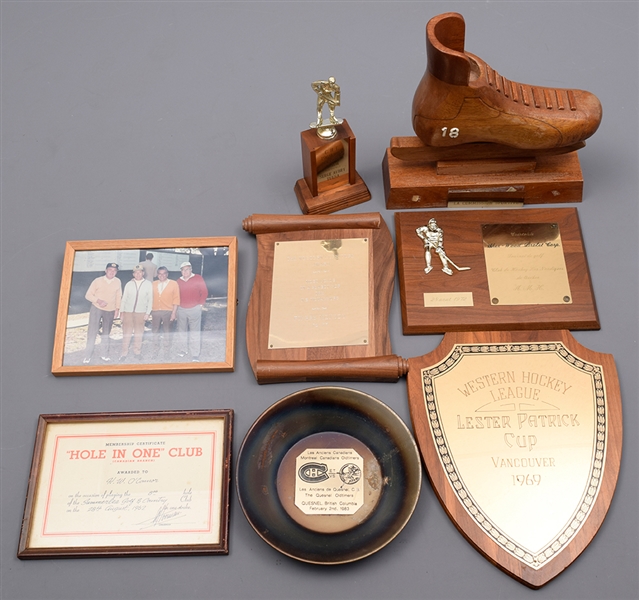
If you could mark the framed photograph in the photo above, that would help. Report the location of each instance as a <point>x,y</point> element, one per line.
<point>147,306</point>
<point>121,484</point>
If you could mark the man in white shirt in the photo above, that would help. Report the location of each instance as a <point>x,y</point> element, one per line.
<point>135,309</point>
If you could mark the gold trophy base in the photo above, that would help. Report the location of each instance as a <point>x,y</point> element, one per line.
<point>331,200</point>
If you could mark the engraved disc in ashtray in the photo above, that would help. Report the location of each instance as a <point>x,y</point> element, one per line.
<point>329,482</point>
<point>330,437</point>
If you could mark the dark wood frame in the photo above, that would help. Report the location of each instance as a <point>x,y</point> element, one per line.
<point>447,496</point>
<point>464,244</point>
<point>222,547</point>
<point>57,366</point>
<point>370,362</point>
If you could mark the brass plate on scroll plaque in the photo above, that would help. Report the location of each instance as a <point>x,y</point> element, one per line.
<point>320,293</point>
<point>521,435</point>
<point>525,264</point>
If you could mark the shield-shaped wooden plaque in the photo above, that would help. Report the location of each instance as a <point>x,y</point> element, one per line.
<point>521,434</point>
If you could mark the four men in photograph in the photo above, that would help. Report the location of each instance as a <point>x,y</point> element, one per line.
<point>160,303</point>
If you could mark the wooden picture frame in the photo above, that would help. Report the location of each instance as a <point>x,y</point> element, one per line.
<point>462,300</point>
<point>124,484</point>
<point>369,358</point>
<point>521,434</point>
<point>174,339</point>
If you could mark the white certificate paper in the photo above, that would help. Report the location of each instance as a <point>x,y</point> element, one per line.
<point>142,483</point>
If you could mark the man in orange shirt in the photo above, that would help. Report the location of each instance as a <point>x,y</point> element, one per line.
<point>166,299</point>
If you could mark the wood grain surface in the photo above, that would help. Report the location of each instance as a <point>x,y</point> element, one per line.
<point>464,245</point>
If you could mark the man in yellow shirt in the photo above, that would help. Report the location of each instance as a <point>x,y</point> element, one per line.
<point>105,295</point>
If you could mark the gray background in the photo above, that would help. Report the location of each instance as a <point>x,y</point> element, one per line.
<point>177,119</point>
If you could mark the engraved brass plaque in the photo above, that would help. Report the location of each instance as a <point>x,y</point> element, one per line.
<point>320,294</point>
<point>520,431</point>
<point>525,264</point>
<point>437,299</point>
<point>329,482</point>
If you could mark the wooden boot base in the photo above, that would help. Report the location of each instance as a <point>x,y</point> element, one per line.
<point>483,181</point>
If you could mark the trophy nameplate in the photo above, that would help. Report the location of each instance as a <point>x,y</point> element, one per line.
<point>330,181</point>
<point>521,436</point>
<point>320,303</point>
<point>489,269</point>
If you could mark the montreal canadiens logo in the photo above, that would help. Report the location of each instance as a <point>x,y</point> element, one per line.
<point>313,472</point>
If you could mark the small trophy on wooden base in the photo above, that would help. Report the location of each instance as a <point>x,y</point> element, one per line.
<point>330,181</point>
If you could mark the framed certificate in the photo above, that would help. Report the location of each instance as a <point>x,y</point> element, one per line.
<point>146,306</point>
<point>121,484</point>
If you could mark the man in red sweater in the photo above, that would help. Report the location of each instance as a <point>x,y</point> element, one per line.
<point>193,294</point>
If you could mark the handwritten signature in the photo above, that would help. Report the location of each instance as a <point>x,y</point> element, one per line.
<point>164,516</point>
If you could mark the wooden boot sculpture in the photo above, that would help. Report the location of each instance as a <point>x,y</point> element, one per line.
<point>476,122</point>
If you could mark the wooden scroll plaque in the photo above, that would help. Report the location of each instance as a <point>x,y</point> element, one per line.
<point>505,269</point>
<point>321,298</point>
<point>521,434</point>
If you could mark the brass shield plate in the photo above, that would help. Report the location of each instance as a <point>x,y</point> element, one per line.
<point>519,433</point>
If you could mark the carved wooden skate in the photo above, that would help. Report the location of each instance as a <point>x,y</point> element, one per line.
<point>482,137</point>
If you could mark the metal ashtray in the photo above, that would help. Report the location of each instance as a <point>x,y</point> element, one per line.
<point>328,475</point>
